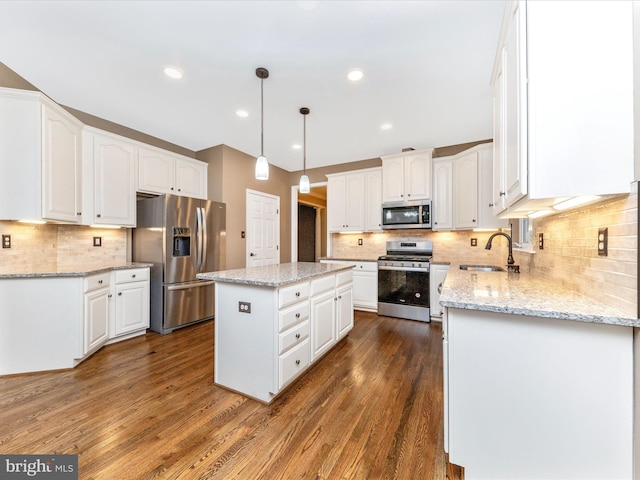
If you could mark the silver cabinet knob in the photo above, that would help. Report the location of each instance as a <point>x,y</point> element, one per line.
<point>119,294</point>
<point>297,362</point>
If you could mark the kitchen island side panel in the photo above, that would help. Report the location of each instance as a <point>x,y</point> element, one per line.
<point>244,361</point>
<point>539,397</point>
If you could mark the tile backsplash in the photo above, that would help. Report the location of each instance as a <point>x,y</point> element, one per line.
<point>49,246</point>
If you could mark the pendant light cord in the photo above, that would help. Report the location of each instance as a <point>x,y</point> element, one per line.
<point>304,151</point>
<point>262,117</point>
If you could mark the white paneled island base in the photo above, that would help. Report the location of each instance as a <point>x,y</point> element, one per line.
<point>273,322</point>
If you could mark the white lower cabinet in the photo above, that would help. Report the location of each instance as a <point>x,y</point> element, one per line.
<point>437,274</point>
<point>131,302</point>
<point>365,283</point>
<point>265,337</point>
<point>97,308</point>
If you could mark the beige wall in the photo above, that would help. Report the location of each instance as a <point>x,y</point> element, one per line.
<point>233,174</point>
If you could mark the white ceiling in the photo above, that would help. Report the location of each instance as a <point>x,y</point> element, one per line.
<point>426,64</point>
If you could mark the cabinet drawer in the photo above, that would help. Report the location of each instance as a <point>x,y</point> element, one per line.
<point>132,275</point>
<point>292,294</point>
<point>293,363</point>
<point>294,336</point>
<point>366,267</point>
<point>344,277</point>
<point>96,281</point>
<point>292,315</point>
<point>323,284</point>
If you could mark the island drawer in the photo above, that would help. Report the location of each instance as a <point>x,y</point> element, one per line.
<point>293,293</point>
<point>344,277</point>
<point>294,336</point>
<point>293,363</point>
<point>96,281</point>
<point>292,315</point>
<point>132,275</point>
<point>323,284</point>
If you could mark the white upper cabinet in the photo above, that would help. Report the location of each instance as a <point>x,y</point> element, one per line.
<point>373,200</point>
<point>563,103</point>
<point>161,172</point>
<point>465,191</point>
<point>345,202</point>
<point>40,159</point>
<point>406,176</point>
<point>442,194</point>
<point>109,196</point>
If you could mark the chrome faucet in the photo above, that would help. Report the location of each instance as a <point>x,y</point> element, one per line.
<point>510,262</point>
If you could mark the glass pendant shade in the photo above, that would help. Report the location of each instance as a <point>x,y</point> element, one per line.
<point>262,168</point>
<point>304,184</point>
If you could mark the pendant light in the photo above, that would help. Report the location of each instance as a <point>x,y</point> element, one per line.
<point>262,165</point>
<point>304,180</point>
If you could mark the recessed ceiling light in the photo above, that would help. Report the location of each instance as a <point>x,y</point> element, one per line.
<point>172,72</point>
<point>355,75</point>
<point>386,126</point>
<point>295,146</point>
<point>242,113</point>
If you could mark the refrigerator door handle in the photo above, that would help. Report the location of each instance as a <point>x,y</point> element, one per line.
<point>205,239</point>
<point>196,257</point>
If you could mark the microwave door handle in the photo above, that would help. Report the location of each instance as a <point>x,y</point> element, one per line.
<point>205,239</point>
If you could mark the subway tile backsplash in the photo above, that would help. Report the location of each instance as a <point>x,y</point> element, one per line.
<point>48,247</point>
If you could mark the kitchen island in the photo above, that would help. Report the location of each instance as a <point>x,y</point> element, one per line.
<point>273,322</point>
<point>538,379</point>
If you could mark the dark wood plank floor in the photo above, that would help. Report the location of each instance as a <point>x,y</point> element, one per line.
<point>147,408</point>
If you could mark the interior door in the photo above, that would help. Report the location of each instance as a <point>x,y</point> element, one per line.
<point>263,229</point>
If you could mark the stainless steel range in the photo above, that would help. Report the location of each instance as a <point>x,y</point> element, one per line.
<point>403,280</point>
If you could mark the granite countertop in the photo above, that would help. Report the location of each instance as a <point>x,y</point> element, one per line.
<point>348,259</point>
<point>274,275</point>
<point>525,294</point>
<point>74,271</point>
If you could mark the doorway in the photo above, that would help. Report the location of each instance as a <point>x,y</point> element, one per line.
<point>306,233</point>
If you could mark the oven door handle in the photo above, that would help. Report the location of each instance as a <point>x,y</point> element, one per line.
<point>404,269</point>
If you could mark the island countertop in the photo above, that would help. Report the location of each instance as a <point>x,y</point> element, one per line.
<point>80,270</point>
<point>274,275</point>
<point>525,294</point>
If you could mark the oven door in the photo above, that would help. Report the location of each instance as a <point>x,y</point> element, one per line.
<point>404,292</point>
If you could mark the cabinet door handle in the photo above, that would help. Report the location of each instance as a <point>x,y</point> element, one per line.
<point>491,205</point>
<point>78,213</point>
<point>297,362</point>
<point>252,254</point>
<point>100,282</point>
<point>297,335</point>
<point>440,288</point>
<point>474,220</point>
<point>119,294</point>
<point>109,295</point>
<point>134,275</point>
<point>297,315</point>
<point>171,188</point>
<point>98,215</point>
<point>297,294</point>
<point>502,194</point>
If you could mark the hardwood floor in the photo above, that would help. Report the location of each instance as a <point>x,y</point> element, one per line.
<point>147,408</point>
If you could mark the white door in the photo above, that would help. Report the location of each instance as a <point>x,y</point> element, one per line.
<point>263,229</point>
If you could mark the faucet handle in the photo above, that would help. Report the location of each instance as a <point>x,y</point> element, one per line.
<point>513,268</point>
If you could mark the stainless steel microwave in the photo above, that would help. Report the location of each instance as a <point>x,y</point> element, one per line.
<point>415,214</point>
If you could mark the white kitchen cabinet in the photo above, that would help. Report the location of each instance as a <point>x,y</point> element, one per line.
<point>97,308</point>
<point>437,274</point>
<point>373,200</point>
<point>406,176</point>
<point>46,182</point>
<point>344,304</point>
<point>365,283</point>
<point>551,114</point>
<point>323,322</point>
<point>345,202</point>
<point>442,202</point>
<point>465,191</point>
<point>536,397</point>
<point>261,349</point>
<point>486,218</point>
<point>109,163</point>
<point>160,171</point>
<point>131,302</point>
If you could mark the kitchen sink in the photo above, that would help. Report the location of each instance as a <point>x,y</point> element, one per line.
<point>482,268</point>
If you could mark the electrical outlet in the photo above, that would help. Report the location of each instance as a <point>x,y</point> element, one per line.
<point>97,241</point>
<point>244,307</point>
<point>474,242</point>
<point>603,242</point>
<point>540,241</point>
<point>242,234</point>
<point>6,241</point>
<point>360,241</point>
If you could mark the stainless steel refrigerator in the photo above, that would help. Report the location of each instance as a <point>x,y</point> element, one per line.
<point>180,236</point>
